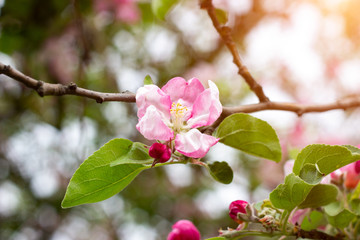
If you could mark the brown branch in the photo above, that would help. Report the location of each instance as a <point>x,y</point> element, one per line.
<point>46,89</point>
<point>299,109</point>
<point>314,234</point>
<point>225,34</point>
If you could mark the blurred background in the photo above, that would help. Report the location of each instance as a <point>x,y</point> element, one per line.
<point>305,51</point>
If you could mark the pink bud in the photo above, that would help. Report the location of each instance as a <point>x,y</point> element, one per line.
<point>161,152</point>
<point>357,167</point>
<point>184,230</point>
<point>236,207</point>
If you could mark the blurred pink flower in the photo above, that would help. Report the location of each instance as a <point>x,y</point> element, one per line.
<point>159,151</point>
<point>238,206</point>
<point>175,111</point>
<point>184,230</point>
<point>350,173</point>
<point>299,215</point>
<point>124,10</point>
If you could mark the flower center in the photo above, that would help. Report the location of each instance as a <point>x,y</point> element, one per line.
<point>177,113</point>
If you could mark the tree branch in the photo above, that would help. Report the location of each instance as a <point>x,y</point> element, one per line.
<point>45,89</point>
<point>225,34</point>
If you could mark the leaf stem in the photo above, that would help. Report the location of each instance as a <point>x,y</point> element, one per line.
<point>285,218</point>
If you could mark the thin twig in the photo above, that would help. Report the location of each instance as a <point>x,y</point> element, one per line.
<point>225,34</point>
<point>45,89</point>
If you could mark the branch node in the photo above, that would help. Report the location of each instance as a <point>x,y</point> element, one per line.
<point>72,86</point>
<point>300,112</point>
<point>100,100</point>
<point>40,88</point>
<point>6,69</point>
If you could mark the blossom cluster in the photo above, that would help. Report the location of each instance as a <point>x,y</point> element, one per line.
<point>172,114</point>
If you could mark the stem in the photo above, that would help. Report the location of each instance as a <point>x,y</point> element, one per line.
<point>356,228</point>
<point>285,218</point>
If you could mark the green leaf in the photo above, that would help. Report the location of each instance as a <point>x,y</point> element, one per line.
<point>290,194</point>
<point>310,174</point>
<point>148,80</point>
<point>221,15</point>
<point>327,158</point>
<point>95,180</point>
<point>338,216</point>
<point>295,192</point>
<point>355,206</point>
<point>216,238</point>
<point>221,172</point>
<point>313,221</point>
<point>251,135</point>
<point>161,7</point>
<point>134,153</point>
<point>320,195</point>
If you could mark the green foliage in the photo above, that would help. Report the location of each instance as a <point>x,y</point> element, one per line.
<point>161,7</point>
<point>310,174</point>
<point>295,192</point>
<point>320,195</point>
<point>221,172</point>
<point>148,80</point>
<point>338,216</point>
<point>251,135</point>
<point>216,238</point>
<point>135,153</point>
<point>313,221</point>
<point>221,15</point>
<point>95,180</point>
<point>327,158</point>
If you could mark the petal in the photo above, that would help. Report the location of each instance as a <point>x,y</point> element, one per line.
<point>193,89</point>
<point>207,107</point>
<point>153,127</point>
<point>175,88</point>
<point>179,89</point>
<point>194,144</point>
<point>152,95</point>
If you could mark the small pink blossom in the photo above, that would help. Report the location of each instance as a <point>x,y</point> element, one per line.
<point>299,216</point>
<point>160,152</point>
<point>174,112</point>
<point>350,173</point>
<point>124,10</point>
<point>238,206</point>
<point>184,230</point>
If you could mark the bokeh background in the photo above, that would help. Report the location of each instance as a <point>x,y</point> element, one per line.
<point>304,51</point>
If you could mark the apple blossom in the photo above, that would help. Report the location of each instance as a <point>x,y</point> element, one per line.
<point>173,113</point>
<point>238,206</point>
<point>160,152</point>
<point>184,230</point>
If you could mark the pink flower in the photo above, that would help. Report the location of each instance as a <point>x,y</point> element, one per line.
<point>184,230</point>
<point>350,174</point>
<point>174,112</point>
<point>236,207</point>
<point>159,151</point>
<point>124,10</point>
<point>299,215</point>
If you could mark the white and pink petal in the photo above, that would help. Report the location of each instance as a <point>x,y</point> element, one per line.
<point>194,143</point>
<point>207,107</point>
<point>152,95</point>
<point>153,126</point>
<point>181,90</point>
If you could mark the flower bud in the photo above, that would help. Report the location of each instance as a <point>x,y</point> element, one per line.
<point>236,207</point>
<point>184,230</point>
<point>357,167</point>
<point>160,152</point>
